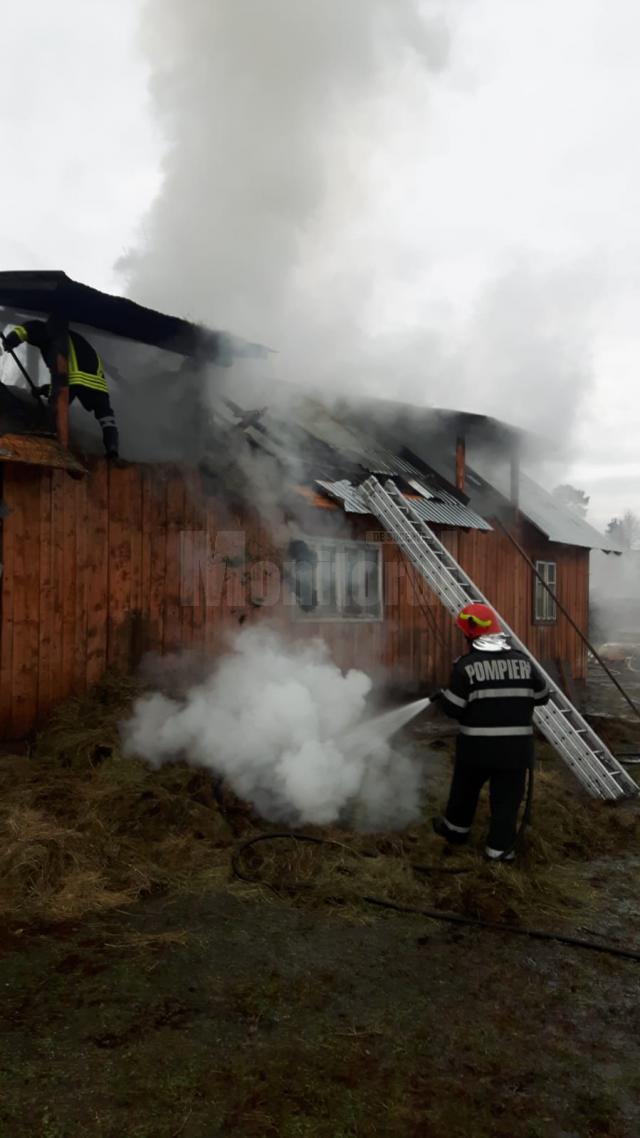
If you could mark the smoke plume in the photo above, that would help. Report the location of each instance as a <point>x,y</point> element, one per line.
<point>276,723</point>
<point>267,109</point>
<point>272,115</point>
<point>297,150</point>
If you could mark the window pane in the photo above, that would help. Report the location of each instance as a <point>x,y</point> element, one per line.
<point>326,580</point>
<point>353,582</point>
<point>335,579</point>
<point>372,581</point>
<point>361,581</point>
<point>544,605</point>
<point>551,581</point>
<point>539,596</point>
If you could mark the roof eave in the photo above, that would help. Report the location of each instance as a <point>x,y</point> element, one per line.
<point>52,291</point>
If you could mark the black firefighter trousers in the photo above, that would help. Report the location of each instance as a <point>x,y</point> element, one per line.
<point>504,767</point>
<point>99,403</point>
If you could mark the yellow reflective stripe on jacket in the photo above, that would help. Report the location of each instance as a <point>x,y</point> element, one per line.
<point>83,379</point>
<point>21,333</point>
<point>95,380</point>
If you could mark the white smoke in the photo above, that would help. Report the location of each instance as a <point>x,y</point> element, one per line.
<point>274,721</point>
<point>268,110</point>
<point>298,139</point>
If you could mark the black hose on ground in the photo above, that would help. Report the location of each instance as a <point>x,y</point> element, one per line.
<point>499,926</point>
<point>292,835</point>
<point>430,914</point>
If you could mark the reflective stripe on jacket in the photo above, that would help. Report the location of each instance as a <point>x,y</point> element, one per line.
<point>494,694</point>
<point>84,364</point>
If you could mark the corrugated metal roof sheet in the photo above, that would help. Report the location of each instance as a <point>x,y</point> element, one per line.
<point>443,509</point>
<point>558,522</point>
<point>38,451</point>
<point>448,511</point>
<point>345,493</point>
<point>555,521</point>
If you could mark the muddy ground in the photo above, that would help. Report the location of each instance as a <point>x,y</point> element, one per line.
<point>222,1015</point>
<point>268,1021</point>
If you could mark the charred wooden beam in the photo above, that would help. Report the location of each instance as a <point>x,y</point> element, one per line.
<point>60,379</point>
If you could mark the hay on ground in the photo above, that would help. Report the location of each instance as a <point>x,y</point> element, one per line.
<point>84,830</point>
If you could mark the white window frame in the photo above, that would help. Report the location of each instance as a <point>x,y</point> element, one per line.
<point>544,607</point>
<point>341,549</point>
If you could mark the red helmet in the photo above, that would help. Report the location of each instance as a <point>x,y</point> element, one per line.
<point>478,620</point>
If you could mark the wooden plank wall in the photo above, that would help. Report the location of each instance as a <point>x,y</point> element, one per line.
<point>101,569</point>
<point>419,639</point>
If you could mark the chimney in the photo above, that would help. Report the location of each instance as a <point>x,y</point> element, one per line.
<point>515,480</point>
<point>461,451</point>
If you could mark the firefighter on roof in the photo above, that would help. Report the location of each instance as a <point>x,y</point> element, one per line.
<point>85,372</point>
<point>493,692</point>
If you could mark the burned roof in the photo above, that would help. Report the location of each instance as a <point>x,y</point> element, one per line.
<point>54,293</point>
<point>405,424</point>
<point>429,434</point>
<point>441,506</point>
<point>319,449</point>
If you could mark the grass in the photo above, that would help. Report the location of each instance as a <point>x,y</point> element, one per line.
<point>84,830</point>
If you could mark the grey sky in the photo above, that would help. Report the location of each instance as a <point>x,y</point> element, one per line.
<point>81,152</point>
<point>481,244</point>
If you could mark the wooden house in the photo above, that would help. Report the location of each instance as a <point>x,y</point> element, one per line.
<point>102,563</point>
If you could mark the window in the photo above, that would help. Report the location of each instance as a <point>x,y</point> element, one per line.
<point>544,606</point>
<point>338,580</point>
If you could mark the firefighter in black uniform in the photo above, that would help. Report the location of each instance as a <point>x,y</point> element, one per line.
<point>85,372</point>
<point>493,692</point>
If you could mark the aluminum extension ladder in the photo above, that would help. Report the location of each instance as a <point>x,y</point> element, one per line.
<point>559,721</point>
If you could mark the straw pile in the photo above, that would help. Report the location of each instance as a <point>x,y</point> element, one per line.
<point>84,830</point>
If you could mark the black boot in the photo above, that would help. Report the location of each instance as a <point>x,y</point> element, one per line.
<point>444,830</point>
<point>110,436</point>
